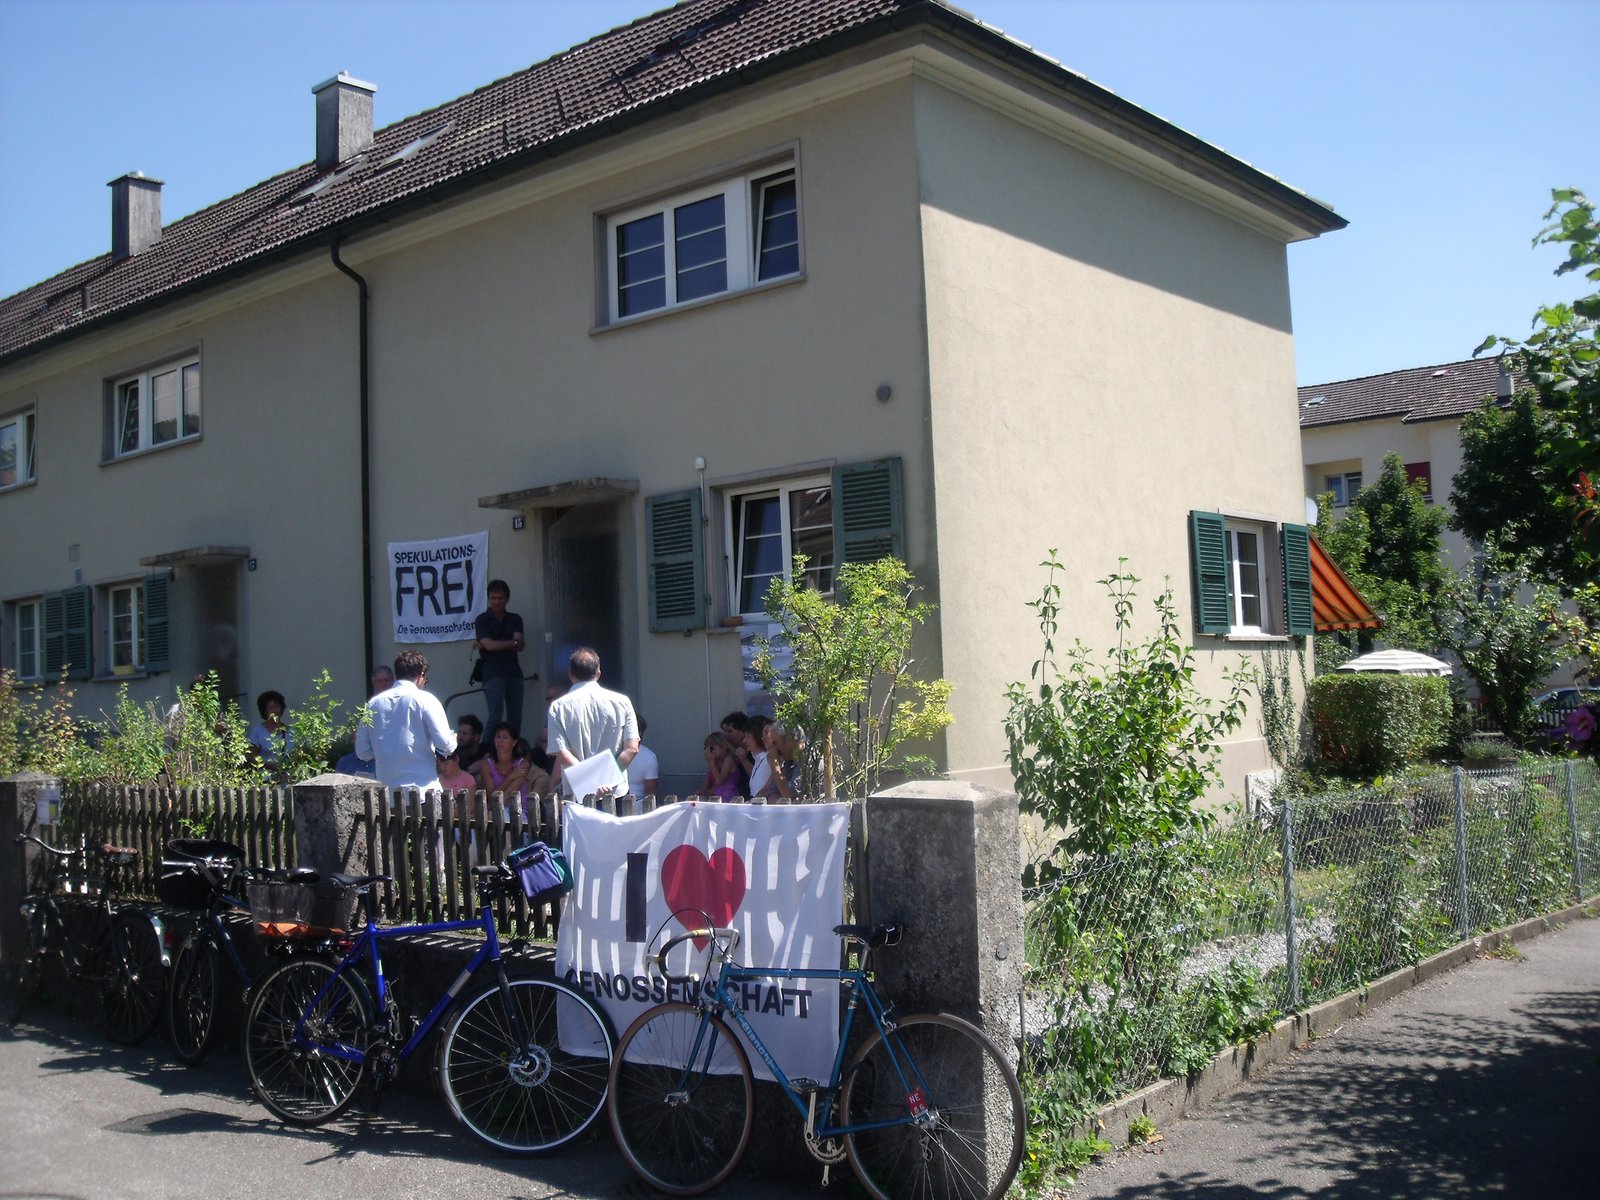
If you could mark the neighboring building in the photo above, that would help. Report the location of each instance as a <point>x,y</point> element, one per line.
<point>1348,427</point>
<point>734,280</point>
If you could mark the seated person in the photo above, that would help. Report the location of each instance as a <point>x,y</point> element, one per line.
<point>451,777</point>
<point>506,768</point>
<point>269,738</point>
<point>724,777</point>
<point>469,741</point>
<point>644,772</point>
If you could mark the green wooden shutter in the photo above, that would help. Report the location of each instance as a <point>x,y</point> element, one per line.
<point>867,517</point>
<point>67,633</point>
<point>1213,599</point>
<point>1296,543</point>
<point>676,540</point>
<point>157,642</point>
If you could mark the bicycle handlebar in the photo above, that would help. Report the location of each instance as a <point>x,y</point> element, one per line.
<point>725,939</point>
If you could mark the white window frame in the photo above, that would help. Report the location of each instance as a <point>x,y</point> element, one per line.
<point>1340,485</point>
<point>145,435</point>
<point>781,490</point>
<point>21,650</point>
<point>24,427</point>
<point>133,642</point>
<point>744,199</point>
<point>1239,627</point>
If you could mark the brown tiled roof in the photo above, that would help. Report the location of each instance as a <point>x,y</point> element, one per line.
<point>1414,394</point>
<point>618,79</point>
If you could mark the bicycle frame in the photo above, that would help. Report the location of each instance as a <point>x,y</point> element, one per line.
<point>858,984</point>
<point>366,951</point>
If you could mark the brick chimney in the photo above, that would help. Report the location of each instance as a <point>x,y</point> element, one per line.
<point>135,214</point>
<point>344,119</point>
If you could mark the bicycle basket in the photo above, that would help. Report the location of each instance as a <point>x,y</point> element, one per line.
<point>543,870</point>
<point>196,868</point>
<point>301,910</point>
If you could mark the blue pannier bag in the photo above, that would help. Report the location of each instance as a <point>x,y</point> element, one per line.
<point>544,872</point>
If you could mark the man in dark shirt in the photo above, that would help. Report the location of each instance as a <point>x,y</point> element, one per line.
<point>469,740</point>
<point>500,637</point>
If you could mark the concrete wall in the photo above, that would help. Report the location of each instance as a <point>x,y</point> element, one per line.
<point>1105,355</point>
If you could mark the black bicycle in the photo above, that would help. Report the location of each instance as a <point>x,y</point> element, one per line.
<point>122,951</point>
<point>211,875</point>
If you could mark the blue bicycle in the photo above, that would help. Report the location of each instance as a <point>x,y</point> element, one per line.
<point>522,1063</point>
<point>927,1106</point>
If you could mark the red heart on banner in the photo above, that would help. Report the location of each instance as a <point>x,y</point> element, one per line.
<point>694,884</point>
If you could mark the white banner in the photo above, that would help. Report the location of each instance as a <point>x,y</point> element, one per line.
<point>773,872</point>
<point>437,588</point>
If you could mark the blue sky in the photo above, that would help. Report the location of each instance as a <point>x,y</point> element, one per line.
<point>1437,128</point>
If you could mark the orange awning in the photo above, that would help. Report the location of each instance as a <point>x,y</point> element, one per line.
<point>1335,605</point>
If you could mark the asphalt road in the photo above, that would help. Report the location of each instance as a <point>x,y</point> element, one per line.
<point>83,1117</point>
<point>1482,1082</point>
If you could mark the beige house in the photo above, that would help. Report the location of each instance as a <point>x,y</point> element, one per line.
<point>731,281</point>
<point>1348,427</point>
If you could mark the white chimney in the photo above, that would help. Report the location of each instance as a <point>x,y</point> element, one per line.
<point>344,119</point>
<point>135,214</point>
<point>1503,384</point>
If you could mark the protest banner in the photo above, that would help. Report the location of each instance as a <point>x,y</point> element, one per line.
<point>773,872</point>
<point>438,587</point>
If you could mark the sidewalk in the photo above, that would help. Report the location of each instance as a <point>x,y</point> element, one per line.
<point>83,1117</point>
<point>1482,1082</point>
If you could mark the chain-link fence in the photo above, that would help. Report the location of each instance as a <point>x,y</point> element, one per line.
<point>1145,965</point>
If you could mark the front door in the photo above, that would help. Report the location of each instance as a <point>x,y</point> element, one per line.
<point>583,551</point>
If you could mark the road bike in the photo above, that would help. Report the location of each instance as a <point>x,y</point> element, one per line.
<point>926,1106</point>
<point>121,951</point>
<point>209,875</point>
<point>522,1063</point>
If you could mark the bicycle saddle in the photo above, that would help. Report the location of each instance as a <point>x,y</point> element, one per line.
<point>877,936</point>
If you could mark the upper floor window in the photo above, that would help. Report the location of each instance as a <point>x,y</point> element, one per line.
<point>716,239</point>
<point>156,407</point>
<point>1420,475</point>
<point>16,449</point>
<point>1344,487</point>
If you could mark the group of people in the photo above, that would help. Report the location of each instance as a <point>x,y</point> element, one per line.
<point>406,740</point>
<point>751,756</point>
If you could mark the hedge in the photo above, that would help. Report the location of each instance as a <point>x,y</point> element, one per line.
<point>1370,724</point>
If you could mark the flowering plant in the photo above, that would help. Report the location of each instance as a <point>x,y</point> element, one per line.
<point>1582,729</point>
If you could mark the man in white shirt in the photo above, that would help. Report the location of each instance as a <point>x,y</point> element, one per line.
<point>644,772</point>
<point>407,727</point>
<point>590,719</point>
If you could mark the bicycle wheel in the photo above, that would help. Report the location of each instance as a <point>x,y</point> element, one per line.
<point>537,1092</point>
<point>681,1115</point>
<point>192,1004</point>
<point>971,1142</point>
<point>135,980</point>
<point>295,1077</point>
<point>32,973</point>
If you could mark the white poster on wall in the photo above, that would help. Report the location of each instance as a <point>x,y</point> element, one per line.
<point>773,872</point>
<point>438,588</point>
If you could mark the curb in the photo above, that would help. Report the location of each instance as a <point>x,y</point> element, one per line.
<point>1167,1100</point>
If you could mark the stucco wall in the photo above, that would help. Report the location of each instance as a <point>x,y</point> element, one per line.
<point>1105,356</point>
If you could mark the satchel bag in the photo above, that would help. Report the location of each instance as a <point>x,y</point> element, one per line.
<point>477,671</point>
<point>544,872</point>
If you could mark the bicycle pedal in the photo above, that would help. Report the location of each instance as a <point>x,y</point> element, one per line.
<point>805,1086</point>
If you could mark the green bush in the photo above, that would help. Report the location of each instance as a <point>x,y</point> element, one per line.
<point>1371,724</point>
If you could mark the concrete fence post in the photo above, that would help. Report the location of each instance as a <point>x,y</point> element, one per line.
<point>944,858</point>
<point>19,808</point>
<point>330,824</point>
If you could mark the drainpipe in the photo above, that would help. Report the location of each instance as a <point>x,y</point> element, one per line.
<point>366,465</point>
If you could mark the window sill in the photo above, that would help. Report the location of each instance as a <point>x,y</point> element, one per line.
<point>17,487</point>
<point>149,450</point>
<point>119,678</point>
<point>1270,638</point>
<point>657,314</point>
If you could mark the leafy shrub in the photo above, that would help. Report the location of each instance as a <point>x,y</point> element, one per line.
<point>1370,723</point>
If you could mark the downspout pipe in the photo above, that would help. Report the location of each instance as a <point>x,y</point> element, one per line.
<point>364,406</point>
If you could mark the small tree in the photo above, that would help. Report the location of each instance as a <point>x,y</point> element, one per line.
<point>1506,628</point>
<point>314,729</point>
<point>850,690</point>
<point>1117,754</point>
